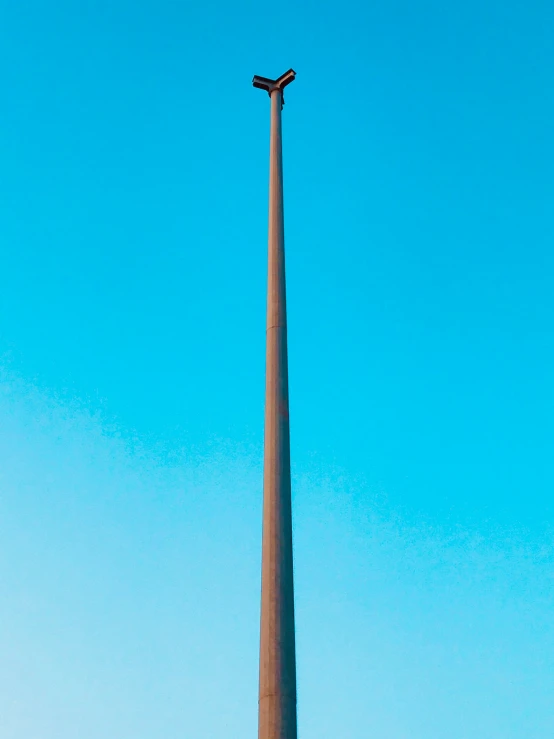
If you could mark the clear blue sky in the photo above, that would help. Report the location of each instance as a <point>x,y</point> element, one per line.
<point>419,160</point>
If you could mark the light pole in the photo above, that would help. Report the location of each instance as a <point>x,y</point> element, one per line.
<point>277,697</point>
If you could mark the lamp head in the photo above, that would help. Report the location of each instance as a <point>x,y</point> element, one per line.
<point>265,83</point>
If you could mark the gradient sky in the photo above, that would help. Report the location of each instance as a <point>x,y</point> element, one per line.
<point>419,160</point>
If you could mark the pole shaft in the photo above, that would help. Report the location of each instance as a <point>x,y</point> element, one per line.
<point>277,704</point>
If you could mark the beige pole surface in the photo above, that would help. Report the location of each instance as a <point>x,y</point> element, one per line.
<point>277,698</point>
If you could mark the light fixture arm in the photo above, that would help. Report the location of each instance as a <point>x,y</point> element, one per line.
<point>265,83</point>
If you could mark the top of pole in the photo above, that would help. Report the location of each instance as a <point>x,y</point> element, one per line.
<point>264,83</point>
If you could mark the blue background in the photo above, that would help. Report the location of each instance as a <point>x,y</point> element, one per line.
<point>133,214</point>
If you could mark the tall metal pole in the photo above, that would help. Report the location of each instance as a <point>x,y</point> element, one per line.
<point>277,698</point>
